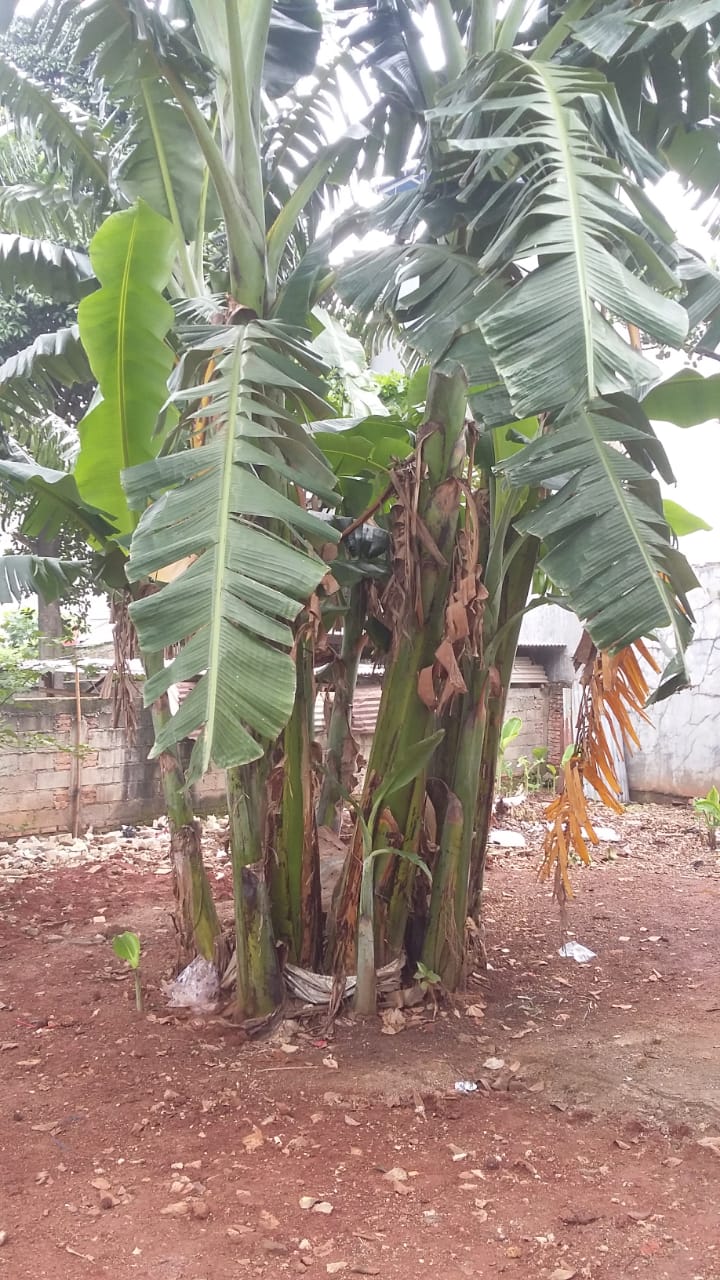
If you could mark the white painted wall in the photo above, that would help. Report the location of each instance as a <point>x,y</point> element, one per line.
<point>680,752</point>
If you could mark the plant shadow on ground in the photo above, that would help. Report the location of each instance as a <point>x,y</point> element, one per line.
<point>169,1147</point>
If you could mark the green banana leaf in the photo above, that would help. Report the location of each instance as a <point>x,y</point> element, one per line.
<point>686,399</point>
<point>29,379</point>
<point>123,327</point>
<point>51,270</point>
<point>45,576</point>
<point>681,521</point>
<point>607,544</point>
<point>227,510</point>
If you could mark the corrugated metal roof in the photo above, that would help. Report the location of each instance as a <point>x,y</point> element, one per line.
<point>366,702</point>
<point>525,671</point>
<point>366,705</point>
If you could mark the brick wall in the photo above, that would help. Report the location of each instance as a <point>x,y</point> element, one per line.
<point>556,739</point>
<point>118,784</point>
<point>531,704</point>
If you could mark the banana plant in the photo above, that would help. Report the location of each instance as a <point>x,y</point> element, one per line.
<point>121,342</point>
<point>208,138</point>
<point>527,261</point>
<point>407,770</point>
<point>522,249</point>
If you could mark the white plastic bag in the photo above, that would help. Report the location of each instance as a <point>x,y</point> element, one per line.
<point>196,987</point>
<point>576,951</point>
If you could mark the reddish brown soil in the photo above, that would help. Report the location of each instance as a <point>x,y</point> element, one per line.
<point>581,1156</point>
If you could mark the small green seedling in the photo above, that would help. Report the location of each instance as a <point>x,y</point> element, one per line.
<point>708,807</point>
<point>428,981</point>
<point>127,947</point>
<point>427,978</point>
<point>510,731</point>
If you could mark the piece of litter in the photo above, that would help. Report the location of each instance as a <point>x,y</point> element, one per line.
<point>508,839</point>
<point>196,987</point>
<point>576,951</point>
<point>465,1086</point>
<point>511,802</point>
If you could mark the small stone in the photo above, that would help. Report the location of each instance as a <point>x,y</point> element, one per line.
<point>199,1209</point>
<point>107,1201</point>
<point>273,1247</point>
<point>176,1210</point>
<point>322,1206</point>
<point>4,1237</point>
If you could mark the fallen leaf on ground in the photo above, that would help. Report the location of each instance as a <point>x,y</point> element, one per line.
<point>330,1062</point>
<point>494,1064</point>
<point>393,1022</point>
<point>475,1011</point>
<point>396,1175</point>
<point>563,1273</point>
<point>352,1122</point>
<point>253,1140</point>
<point>649,1247</point>
<point>333,1268</point>
<point>322,1206</point>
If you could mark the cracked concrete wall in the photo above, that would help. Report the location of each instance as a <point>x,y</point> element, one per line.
<point>680,749</point>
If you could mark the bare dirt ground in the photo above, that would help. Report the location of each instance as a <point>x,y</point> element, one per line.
<point>170,1148</point>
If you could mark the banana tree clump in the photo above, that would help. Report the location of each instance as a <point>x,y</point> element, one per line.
<point>523,273</point>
